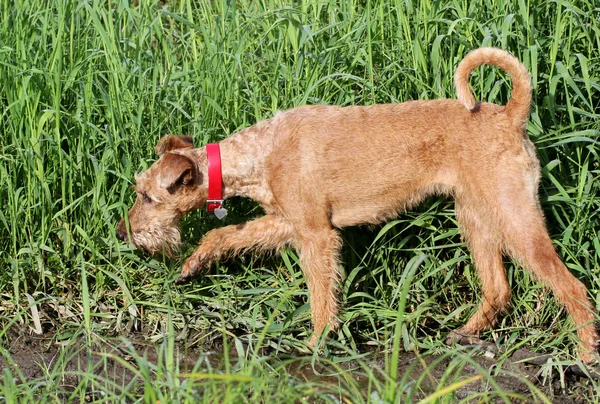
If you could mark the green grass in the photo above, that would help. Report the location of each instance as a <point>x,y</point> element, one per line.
<point>88,87</point>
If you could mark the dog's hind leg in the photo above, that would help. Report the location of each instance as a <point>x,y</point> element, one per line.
<point>528,242</point>
<point>486,249</point>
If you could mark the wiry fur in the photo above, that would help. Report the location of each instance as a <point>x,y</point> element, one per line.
<point>316,169</point>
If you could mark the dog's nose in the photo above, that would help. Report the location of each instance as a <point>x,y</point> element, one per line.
<point>120,235</point>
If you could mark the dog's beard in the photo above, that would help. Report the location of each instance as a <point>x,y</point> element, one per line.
<point>159,239</point>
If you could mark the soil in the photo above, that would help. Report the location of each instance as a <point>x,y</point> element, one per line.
<point>31,357</point>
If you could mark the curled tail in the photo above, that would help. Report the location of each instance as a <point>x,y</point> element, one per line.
<point>517,108</point>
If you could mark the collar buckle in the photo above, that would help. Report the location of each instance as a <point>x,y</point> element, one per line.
<point>214,204</point>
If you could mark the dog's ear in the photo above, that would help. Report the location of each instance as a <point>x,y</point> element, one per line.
<point>176,170</point>
<point>171,142</point>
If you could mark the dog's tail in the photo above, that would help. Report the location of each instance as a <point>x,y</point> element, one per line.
<point>518,106</point>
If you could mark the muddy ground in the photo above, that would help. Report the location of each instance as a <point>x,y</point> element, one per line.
<point>34,356</point>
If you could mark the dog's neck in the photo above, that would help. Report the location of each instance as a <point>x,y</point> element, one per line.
<point>242,161</point>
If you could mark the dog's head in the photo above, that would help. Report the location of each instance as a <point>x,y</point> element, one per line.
<point>173,186</point>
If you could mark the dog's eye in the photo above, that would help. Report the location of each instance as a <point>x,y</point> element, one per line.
<point>147,199</point>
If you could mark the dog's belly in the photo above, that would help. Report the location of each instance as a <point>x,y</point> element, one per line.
<point>382,182</point>
<point>379,208</point>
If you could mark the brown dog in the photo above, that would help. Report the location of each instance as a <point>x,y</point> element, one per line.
<point>316,169</point>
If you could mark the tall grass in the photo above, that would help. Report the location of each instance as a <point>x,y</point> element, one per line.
<point>88,87</point>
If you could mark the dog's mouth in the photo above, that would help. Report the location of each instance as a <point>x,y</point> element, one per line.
<point>154,239</point>
<point>168,245</point>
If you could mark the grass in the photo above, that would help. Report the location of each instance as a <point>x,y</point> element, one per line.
<point>88,87</point>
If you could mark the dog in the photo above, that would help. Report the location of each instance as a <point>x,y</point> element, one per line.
<point>316,169</point>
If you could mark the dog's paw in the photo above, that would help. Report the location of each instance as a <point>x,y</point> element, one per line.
<point>460,337</point>
<point>453,338</point>
<point>589,357</point>
<point>312,341</point>
<point>315,344</point>
<point>183,279</point>
<point>194,265</point>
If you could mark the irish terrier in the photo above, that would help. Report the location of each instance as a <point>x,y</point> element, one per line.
<point>316,169</point>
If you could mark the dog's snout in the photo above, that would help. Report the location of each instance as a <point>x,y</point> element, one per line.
<point>121,231</point>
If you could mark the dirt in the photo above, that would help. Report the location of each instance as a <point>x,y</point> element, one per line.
<point>31,357</point>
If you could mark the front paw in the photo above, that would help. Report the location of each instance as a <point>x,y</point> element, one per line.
<point>194,265</point>
<point>462,336</point>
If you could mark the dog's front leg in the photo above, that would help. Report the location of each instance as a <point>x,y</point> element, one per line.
<point>266,233</point>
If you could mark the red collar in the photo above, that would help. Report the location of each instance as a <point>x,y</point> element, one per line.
<point>215,180</point>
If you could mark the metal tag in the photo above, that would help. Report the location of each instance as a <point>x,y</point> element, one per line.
<point>220,213</point>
